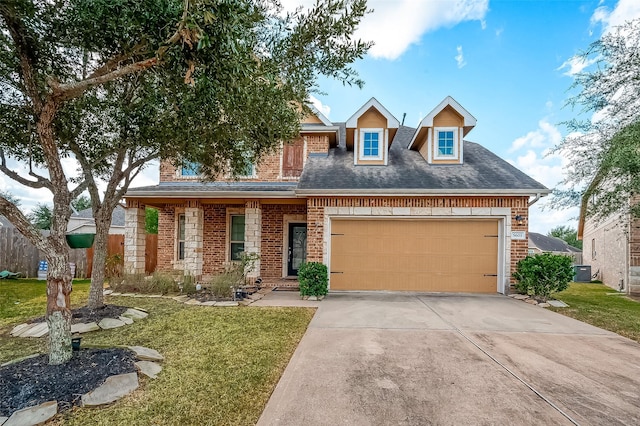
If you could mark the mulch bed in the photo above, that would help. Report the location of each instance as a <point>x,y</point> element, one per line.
<point>33,381</point>
<point>85,314</point>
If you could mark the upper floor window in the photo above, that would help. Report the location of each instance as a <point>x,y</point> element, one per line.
<point>248,169</point>
<point>371,145</point>
<point>446,143</point>
<point>190,168</point>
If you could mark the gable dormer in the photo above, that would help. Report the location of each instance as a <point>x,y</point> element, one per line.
<point>370,132</point>
<point>439,136</point>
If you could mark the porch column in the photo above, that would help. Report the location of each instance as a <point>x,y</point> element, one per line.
<point>253,233</point>
<point>134,238</point>
<point>193,239</point>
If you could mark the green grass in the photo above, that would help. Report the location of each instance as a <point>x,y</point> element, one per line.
<point>27,298</point>
<point>221,364</point>
<point>591,304</point>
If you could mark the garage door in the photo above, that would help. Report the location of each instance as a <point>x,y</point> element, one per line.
<point>414,255</point>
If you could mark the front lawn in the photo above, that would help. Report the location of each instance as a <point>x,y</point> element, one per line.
<point>221,364</point>
<point>591,303</point>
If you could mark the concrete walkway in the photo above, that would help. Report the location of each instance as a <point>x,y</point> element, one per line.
<point>402,359</point>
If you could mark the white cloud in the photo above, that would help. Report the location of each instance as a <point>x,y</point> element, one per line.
<point>545,136</point>
<point>460,57</point>
<point>324,109</point>
<point>625,10</point>
<point>576,64</point>
<point>499,31</point>
<point>395,25</point>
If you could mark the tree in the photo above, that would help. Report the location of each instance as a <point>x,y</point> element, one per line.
<point>40,216</point>
<point>567,234</point>
<point>114,85</point>
<point>604,176</point>
<point>151,220</point>
<point>10,197</point>
<point>81,203</point>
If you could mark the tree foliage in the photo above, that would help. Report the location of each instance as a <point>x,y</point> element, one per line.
<point>81,203</point>
<point>40,216</point>
<point>603,151</point>
<point>115,84</point>
<point>566,233</point>
<point>151,220</point>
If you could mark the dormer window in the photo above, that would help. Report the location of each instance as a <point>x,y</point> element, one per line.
<point>370,148</point>
<point>447,143</point>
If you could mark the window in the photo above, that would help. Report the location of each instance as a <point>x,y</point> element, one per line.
<point>236,236</point>
<point>248,169</point>
<point>446,143</point>
<point>190,168</point>
<point>181,231</point>
<point>371,144</point>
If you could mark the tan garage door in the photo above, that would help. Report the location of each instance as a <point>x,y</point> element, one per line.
<point>414,255</point>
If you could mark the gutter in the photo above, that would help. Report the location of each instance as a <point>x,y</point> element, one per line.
<point>210,194</point>
<point>535,200</point>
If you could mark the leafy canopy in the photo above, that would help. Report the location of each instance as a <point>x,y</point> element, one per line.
<point>603,151</point>
<point>566,233</point>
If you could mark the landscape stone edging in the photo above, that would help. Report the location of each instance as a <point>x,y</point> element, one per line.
<point>528,299</point>
<point>188,300</point>
<point>41,329</point>
<point>113,388</point>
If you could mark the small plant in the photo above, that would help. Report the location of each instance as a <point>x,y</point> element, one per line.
<point>313,278</point>
<point>543,274</point>
<point>187,285</point>
<point>114,266</point>
<point>221,286</point>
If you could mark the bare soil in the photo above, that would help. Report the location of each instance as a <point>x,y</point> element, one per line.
<point>33,381</point>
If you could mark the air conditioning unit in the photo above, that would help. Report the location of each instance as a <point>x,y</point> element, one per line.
<point>582,273</point>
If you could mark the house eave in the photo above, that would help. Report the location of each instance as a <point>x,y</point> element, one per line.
<point>420,192</point>
<point>210,194</point>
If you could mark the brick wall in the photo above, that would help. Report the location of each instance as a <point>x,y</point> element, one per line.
<point>215,237</point>
<point>166,236</point>
<point>273,234</point>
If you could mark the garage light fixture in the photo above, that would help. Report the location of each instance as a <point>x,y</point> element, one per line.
<point>519,219</point>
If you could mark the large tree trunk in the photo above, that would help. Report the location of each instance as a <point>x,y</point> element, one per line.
<point>58,302</point>
<point>103,223</point>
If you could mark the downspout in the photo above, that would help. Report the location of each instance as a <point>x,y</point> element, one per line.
<point>535,200</point>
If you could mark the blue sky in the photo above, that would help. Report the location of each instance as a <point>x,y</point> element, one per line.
<point>508,62</point>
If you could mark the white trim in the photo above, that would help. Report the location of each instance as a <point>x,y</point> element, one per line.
<point>429,145</point>
<point>386,147</point>
<point>320,115</point>
<point>231,211</point>
<point>469,120</point>
<point>502,215</point>
<point>381,144</point>
<point>392,122</point>
<point>436,143</point>
<point>461,145</point>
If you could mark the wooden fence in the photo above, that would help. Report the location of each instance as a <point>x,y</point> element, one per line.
<point>17,254</point>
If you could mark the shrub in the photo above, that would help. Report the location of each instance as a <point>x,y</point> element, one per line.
<point>543,274</point>
<point>313,278</point>
<point>114,266</point>
<point>158,283</point>
<point>221,286</point>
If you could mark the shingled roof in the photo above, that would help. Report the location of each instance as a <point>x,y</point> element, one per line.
<point>407,171</point>
<point>550,244</point>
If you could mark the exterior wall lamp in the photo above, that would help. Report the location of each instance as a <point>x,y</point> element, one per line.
<point>520,220</point>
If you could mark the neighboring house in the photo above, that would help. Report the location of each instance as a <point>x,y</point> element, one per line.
<point>612,248</point>
<point>5,222</point>
<point>539,243</point>
<point>82,222</point>
<point>384,206</point>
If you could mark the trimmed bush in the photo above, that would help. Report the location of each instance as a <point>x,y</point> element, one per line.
<point>313,278</point>
<point>543,274</point>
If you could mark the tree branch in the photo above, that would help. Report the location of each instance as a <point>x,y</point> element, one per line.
<point>15,216</point>
<point>41,182</point>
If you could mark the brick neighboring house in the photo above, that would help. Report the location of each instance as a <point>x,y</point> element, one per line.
<point>384,206</point>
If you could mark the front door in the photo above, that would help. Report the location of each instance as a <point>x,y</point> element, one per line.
<point>297,247</point>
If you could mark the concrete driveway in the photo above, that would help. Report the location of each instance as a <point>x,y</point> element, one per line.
<point>407,359</point>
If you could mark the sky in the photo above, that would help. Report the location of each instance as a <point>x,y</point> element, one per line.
<point>508,62</point>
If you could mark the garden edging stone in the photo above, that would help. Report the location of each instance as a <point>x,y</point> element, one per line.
<point>32,416</point>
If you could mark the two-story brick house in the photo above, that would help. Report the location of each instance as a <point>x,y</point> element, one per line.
<point>384,206</point>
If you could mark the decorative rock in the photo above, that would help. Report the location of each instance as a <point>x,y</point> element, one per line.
<point>149,369</point>
<point>38,330</point>
<point>181,298</point>
<point>84,328</point>
<point>125,320</point>
<point>227,303</point>
<point>531,301</point>
<point>3,419</point>
<point>192,302</point>
<point>146,354</point>
<point>107,323</point>
<point>134,314</point>
<point>116,294</point>
<point>128,294</point>
<point>107,292</point>
<point>520,297</point>
<point>21,328</point>
<point>558,304</point>
<point>209,303</point>
<point>32,416</point>
<point>114,388</point>
<point>544,305</point>
<point>140,309</point>
<point>314,298</point>
<point>256,296</point>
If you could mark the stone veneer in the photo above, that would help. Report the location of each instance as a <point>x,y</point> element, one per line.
<point>134,239</point>
<point>253,233</point>
<point>193,242</point>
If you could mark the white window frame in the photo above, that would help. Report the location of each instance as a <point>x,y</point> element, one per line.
<point>381,144</point>
<point>180,241</point>
<point>180,173</point>
<point>229,241</point>
<point>436,144</point>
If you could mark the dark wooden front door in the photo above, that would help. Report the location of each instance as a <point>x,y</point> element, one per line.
<point>297,247</point>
